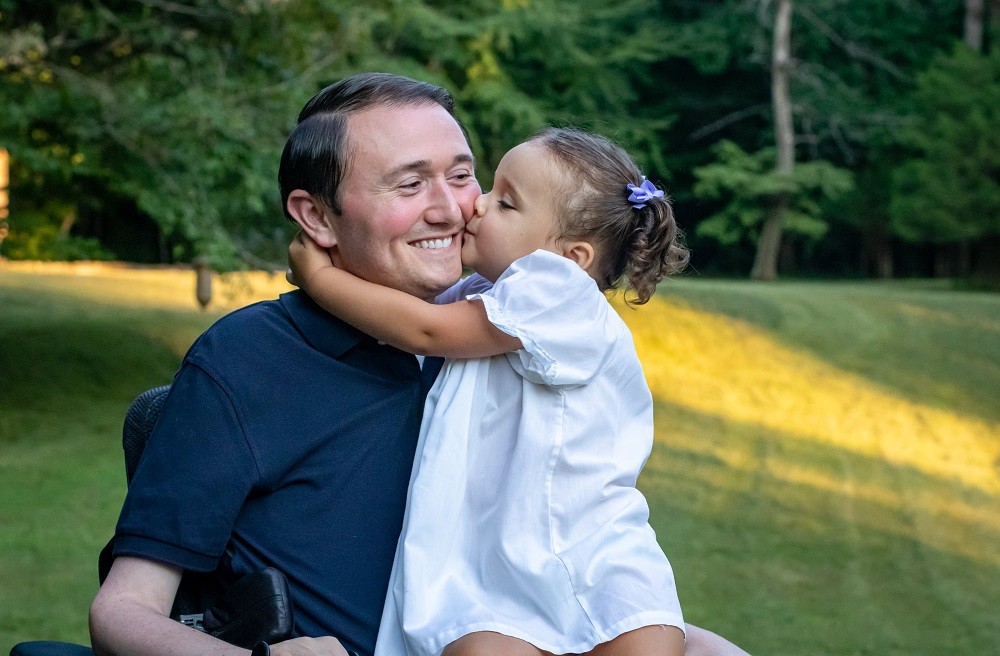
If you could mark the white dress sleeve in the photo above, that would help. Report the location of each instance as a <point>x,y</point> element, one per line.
<point>554,307</point>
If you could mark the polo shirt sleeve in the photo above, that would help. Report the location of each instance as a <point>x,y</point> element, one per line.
<point>195,474</point>
<point>554,307</point>
<point>473,284</point>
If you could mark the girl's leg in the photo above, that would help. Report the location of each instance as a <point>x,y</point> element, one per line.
<point>487,643</point>
<point>656,640</point>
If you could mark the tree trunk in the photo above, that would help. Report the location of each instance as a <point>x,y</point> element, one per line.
<point>765,265</point>
<point>786,256</point>
<point>994,24</point>
<point>963,264</point>
<point>68,220</point>
<point>975,14</point>
<point>4,182</point>
<point>882,256</point>
<point>943,261</point>
<point>986,272</point>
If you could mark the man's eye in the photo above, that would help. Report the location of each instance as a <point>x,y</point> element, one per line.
<point>410,185</point>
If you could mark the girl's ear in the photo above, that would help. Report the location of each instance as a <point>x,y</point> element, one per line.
<point>311,217</point>
<point>581,252</point>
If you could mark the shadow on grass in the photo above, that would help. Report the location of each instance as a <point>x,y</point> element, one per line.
<point>789,546</point>
<point>60,356</point>
<point>70,368</point>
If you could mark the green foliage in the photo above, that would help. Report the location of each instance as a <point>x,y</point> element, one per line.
<point>37,236</point>
<point>950,188</point>
<point>749,185</point>
<point>47,243</point>
<point>183,107</point>
<point>180,107</point>
<point>517,66</point>
<point>178,110</point>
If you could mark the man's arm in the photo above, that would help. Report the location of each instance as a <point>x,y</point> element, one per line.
<point>456,330</point>
<point>131,617</point>
<point>705,643</point>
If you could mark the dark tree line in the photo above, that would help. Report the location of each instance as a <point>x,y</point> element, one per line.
<point>830,137</point>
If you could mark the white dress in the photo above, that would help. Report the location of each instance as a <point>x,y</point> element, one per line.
<point>522,516</point>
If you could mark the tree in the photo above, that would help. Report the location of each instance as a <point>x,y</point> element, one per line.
<point>751,184</point>
<point>975,18</point>
<point>949,190</point>
<point>177,110</point>
<point>765,265</point>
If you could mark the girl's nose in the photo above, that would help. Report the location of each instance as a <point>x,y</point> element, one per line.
<point>479,206</point>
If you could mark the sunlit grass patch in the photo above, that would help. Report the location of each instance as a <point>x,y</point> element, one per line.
<point>137,286</point>
<point>729,368</point>
<point>802,477</point>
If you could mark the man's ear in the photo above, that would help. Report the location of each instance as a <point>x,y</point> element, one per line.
<point>311,217</point>
<point>581,252</point>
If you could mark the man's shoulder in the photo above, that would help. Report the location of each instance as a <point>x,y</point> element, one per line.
<point>268,329</point>
<point>252,328</point>
<point>248,319</point>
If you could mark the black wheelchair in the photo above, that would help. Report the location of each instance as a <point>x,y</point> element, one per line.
<point>255,608</point>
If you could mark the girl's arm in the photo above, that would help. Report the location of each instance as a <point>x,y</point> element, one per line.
<point>455,330</point>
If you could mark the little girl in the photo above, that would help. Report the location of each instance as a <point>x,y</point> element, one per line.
<point>524,532</point>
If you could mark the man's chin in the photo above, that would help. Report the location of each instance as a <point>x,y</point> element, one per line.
<point>432,283</point>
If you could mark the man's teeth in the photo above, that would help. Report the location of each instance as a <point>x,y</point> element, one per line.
<point>433,243</point>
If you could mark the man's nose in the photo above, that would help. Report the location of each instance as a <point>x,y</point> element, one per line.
<point>444,206</point>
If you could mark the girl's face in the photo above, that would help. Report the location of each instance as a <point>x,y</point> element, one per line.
<point>518,216</point>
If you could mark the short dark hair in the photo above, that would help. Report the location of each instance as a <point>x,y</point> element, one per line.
<point>315,155</point>
<point>636,247</point>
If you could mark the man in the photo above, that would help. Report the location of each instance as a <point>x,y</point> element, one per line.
<point>287,438</point>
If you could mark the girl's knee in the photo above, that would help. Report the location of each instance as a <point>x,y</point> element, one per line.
<point>485,643</point>
<point>658,640</point>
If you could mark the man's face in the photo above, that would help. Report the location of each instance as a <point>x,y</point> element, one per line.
<point>408,189</point>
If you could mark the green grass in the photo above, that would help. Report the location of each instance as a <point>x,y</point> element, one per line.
<point>74,350</point>
<point>826,476</point>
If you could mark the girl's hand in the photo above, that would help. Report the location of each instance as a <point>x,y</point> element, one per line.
<point>305,258</point>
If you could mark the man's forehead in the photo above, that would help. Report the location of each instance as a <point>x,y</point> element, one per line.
<point>407,136</point>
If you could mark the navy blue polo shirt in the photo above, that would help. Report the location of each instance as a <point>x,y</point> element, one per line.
<point>287,441</point>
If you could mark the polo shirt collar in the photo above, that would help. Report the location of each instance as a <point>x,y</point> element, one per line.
<point>324,332</point>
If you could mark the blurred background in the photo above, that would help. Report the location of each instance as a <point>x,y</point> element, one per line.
<point>826,473</point>
<point>864,133</point>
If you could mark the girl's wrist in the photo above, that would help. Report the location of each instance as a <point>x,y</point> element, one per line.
<point>314,278</point>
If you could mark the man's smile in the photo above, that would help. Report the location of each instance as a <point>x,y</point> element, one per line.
<point>434,244</point>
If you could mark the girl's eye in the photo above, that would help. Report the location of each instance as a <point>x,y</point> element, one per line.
<point>504,205</point>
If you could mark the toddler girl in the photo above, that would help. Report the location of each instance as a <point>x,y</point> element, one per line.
<point>524,531</point>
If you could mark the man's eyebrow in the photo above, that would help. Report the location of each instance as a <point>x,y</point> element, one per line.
<point>423,165</point>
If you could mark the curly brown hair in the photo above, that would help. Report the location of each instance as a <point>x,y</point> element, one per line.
<point>635,248</point>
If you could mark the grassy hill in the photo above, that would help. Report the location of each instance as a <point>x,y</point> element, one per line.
<point>826,477</point>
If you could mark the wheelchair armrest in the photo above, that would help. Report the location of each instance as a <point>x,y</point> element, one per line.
<point>50,648</point>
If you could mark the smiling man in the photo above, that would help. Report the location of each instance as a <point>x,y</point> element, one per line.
<point>287,438</point>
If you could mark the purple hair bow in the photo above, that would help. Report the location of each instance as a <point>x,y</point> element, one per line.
<point>644,192</point>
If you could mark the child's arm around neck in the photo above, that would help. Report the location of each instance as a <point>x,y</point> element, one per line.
<point>455,330</point>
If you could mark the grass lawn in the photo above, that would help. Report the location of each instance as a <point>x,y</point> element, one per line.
<point>826,476</point>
